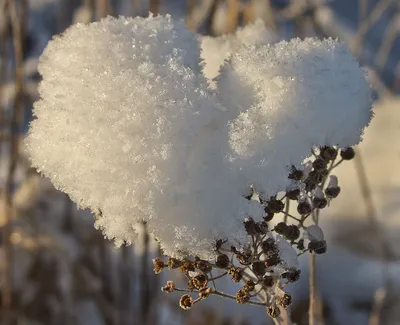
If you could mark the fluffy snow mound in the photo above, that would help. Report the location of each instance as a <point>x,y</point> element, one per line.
<point>127,125</point>
<point>289,97</point>
<point>216,50</point>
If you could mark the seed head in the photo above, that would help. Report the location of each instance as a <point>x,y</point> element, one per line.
<point>269,215</point>
<point>173,263</point>
<point>328,153</point>
<point>295,174</point>
<point>319,164</point>
<point>250,286</point>
<point>186,302</point>
<point>236,273</point>
<point>187,266</point>
<point>347,154</point>
<point>203,266</point>
<point>304,208</point>
<point>293,194</point>
<point>319,247</point>
<point>273,311</point>
<point>272,260</point>
<point>222,261</point>
<point>158,264</point>
<point>250,226</point>
<point>292,232</point>
<point>285,300</point>
<point>291,275</point>
<point>244,258</point>
<point>269,246</point>
<point>169,287</point>
<point>319,203</point>
<point>258,268</point>
<point>200,281</point>
<point>242,296</point>
<point>332,192</point>
<point>280,228</point>
<point>275,206</point>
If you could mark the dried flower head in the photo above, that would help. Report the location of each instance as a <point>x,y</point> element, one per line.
<point>348,153</point>
<point>242,296</point>
<point>222,261</point>
<point>236,273</point>
<point>174,263</point>
<point>273,311</point>
<point>200,281</point>
<point>186,302</point>
<point>203,266</point>
<point>284,300</point>
<point>169,287</point>
<point>158,264</point>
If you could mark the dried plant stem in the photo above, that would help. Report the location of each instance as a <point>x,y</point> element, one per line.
<point>311,310</point>
<point>17,14</point>
<point>102,8</point>
<point>250,302</point>
<point>379,300</point>
<point>368,22</point>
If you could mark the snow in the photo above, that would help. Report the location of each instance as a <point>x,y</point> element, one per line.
<point>293,96</point>
<point>215,50</point>
<point>127,125</point>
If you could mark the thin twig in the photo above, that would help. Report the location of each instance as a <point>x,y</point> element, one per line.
<point>17,25</point>
<point>311,310</point>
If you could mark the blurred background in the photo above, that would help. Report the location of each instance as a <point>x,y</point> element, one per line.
<point>55,268</point>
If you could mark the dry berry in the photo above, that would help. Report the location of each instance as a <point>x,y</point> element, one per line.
<point>187,266</point>
<point>158,264</point>
<point>319,203</point>
<point>328,153</point>
<point>200,281</point>
<point>293,194</point>
<point>250,226</point>
<point>222,261</point>
<point>304,208</point>
<point>332,192</point>
<point>250,285</point>
<point>186,302</point>
<point>244,258</point>
<point>203,266</point>
<point>275,206</point>
<point>235,273</point>
<point>242,296</point>
<point>173,263</point>
<point>292,275</point>
<point>319,164</point>
<point>292,232</point>
<point>258,268</point>
<point>315,177</point>
<point>169,287</point>
<point>347,154</point>
<point>280,228</point>
<point>272,260</point>
<point>273,311</point>
<point>268,216</point>
<point>300,244</point>
<point>269,246</point>
<point>296,174</point>
<point>284,300</point>
<point>319,247</point>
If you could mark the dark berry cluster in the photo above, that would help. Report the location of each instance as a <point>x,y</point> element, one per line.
<point>260,266</point>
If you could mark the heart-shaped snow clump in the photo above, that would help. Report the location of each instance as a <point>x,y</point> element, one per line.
<point>128,126</point>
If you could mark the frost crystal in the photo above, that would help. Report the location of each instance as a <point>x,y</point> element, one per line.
<point>127,125</point>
